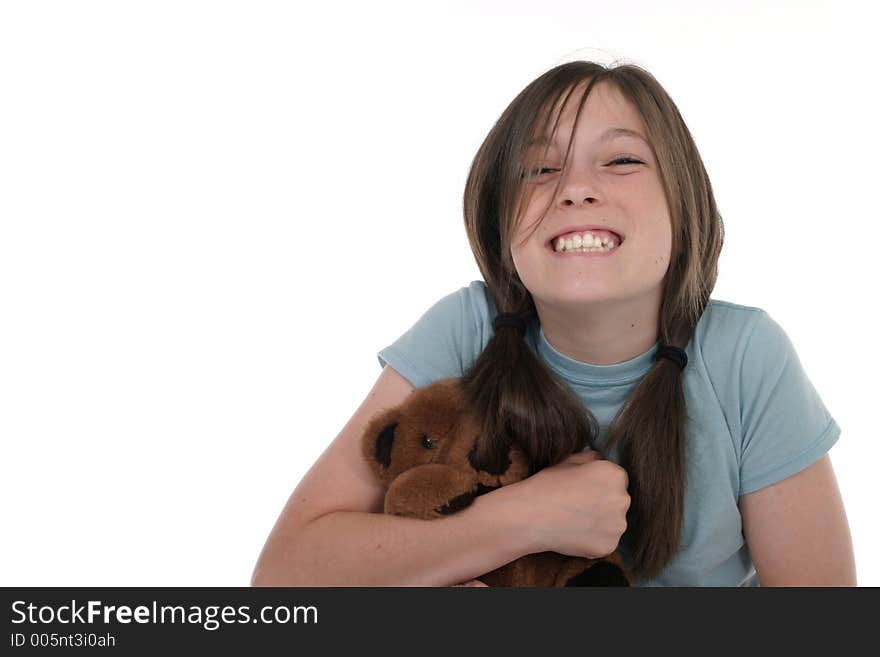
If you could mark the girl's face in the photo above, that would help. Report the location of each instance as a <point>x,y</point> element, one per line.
<point>595,190</point>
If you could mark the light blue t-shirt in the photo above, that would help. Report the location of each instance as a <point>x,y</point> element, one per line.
<point>754,418</point>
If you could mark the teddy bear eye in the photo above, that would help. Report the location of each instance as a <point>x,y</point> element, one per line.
<point>427,442</point>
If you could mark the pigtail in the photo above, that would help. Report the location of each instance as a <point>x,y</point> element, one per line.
<point>651,430</point>
<point>522,402</point>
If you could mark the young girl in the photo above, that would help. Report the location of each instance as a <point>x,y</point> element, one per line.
<point>592,219</point>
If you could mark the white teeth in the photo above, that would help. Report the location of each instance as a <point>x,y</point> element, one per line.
<point>588,249</point>
<point>586,242</point>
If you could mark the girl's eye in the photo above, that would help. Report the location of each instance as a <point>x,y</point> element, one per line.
<point>538,172</point>
<point>543,170</point>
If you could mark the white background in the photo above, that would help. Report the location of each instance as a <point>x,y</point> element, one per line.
<point>213,215</point>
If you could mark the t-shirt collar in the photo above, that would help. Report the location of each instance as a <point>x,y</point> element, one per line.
<point>579,372</point>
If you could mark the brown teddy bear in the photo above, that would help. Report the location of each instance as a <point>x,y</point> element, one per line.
<point>421,451</point>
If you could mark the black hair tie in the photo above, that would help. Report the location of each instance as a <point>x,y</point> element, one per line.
<point>672,353</point>
<point>508,319</point>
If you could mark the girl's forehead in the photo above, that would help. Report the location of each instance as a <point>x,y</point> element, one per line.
<point>605,104</point>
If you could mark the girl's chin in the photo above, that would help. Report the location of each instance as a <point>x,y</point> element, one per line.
<point>583,295</point>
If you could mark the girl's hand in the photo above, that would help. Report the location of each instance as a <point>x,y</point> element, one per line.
<point>576,507</point>
<point>471,582</point>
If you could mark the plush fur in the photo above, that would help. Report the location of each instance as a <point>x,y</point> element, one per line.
<point>421,452</point>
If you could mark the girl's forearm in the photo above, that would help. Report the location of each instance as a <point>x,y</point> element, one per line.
<point>353,548</point>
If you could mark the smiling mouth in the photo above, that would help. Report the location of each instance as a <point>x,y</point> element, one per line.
<point>608,242</point>
<point>587,238</point>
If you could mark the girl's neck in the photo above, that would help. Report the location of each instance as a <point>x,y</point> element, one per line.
<point>603,333</point>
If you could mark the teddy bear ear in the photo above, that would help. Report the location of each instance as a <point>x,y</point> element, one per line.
<point>379,437</point>
<point>384,443</point>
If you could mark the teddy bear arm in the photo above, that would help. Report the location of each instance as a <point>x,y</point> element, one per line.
<point>430,491</point>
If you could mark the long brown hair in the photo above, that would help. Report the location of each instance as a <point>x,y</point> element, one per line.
<point>519,398</point>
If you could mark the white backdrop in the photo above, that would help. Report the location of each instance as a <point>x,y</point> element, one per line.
<point>214,214</point>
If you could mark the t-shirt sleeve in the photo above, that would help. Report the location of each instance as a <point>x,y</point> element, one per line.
<point>443,341</point>
<point>785,425</point>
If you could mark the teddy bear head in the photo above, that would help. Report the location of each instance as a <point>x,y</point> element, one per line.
<point>433,426</point>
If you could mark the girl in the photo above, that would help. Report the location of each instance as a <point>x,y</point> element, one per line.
<point>593,222</point>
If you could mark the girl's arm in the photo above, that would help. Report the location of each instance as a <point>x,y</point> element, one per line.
<point>797,531</point>
<point>353,548</point>
<point>332,531</point>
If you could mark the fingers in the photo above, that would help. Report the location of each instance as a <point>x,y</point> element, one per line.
<point>471,582</point>
<point>583,457</point>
